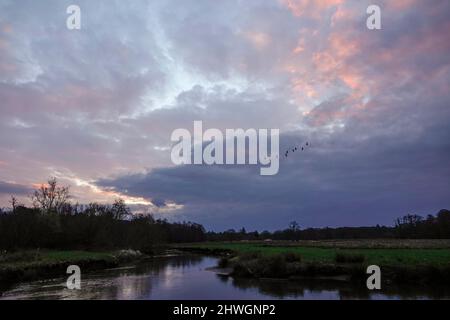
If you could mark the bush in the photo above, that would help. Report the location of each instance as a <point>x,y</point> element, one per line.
<point>257,265</point>
<point>249,255</point>
<point>274,266</point>
<point>248,268</point>
<point>223,263</point>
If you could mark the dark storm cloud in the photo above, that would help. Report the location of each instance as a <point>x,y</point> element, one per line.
<point>14,189</point>
<point>335,182</point>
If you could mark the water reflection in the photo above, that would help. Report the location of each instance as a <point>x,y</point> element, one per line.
<point>187,277</point>
<point>331,289</point>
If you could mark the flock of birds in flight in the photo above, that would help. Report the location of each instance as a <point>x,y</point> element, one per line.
<point>296,148</point>
<point>293,149</point>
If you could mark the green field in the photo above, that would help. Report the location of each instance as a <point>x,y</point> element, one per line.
<point>32,264</point>
<point>33,258</point>
<point>318,253</point>
<point>36,264</point>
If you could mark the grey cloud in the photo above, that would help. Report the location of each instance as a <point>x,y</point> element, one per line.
<point>102,103</point>
<point>336,182</point>
<point>8,188</point>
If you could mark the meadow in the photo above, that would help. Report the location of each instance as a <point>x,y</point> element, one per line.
<point>382,252</point>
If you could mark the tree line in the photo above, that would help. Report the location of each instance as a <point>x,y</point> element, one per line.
<point>407,227</point>
<point>55,223</point>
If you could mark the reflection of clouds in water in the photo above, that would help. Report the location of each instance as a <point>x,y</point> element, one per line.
<point>179,268</point>
<point>169,277</point>
<point>187,277</point>
<point>132,287</point>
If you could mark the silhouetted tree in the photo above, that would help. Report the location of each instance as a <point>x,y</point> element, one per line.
<point>51,197</point>
<point>14,203</point>
<point>119,209</point>
<point>95,226</point>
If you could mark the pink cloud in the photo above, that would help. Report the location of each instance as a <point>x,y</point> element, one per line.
<point>309,7</point>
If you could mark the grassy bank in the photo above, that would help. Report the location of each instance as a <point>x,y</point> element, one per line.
<point>317,253</point>
<point>316,259</point>
<point>28,265</point>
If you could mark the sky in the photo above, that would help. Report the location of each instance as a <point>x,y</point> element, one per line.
<point>96,107</point>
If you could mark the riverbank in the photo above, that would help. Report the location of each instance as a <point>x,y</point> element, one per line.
<point>419,262</point>
<point>36,264</point>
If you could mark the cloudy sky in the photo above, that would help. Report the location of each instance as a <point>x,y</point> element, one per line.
<point>96,107</point>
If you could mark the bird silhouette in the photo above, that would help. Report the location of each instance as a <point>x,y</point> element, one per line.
<point>293,149</point>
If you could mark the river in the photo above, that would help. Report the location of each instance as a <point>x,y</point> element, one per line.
<point>190,277</point>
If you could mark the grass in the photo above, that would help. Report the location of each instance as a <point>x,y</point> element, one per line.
<point>343,257</point>
<point>379,256</point>
<point>48,257</point>
<point>416,265</point>
<point>75,255</point>
<point>34,264</point>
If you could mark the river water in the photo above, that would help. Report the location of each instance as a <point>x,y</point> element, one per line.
<point>190,277</point>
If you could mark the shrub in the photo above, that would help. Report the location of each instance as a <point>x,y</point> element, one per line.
<point>223,263</point>
<point>251,255</point>
<point>256,265</point>
<point>275,266</point>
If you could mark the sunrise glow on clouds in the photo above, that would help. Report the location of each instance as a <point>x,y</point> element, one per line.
<point>96,107</point>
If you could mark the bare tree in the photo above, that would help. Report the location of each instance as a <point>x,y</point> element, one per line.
<point>14,203</point>
<point>120,210</point>
<point>51,197</point>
